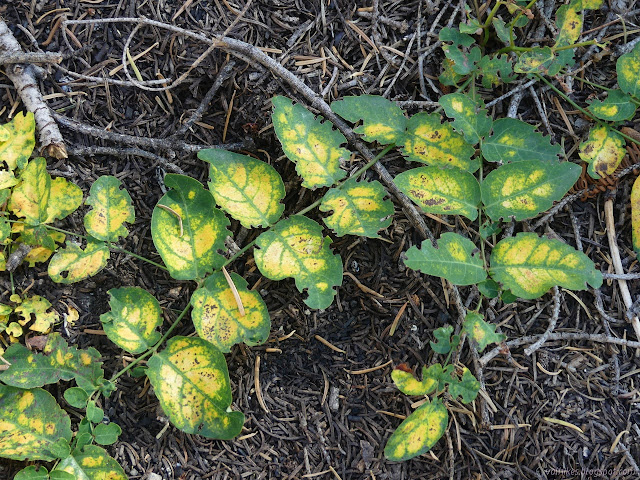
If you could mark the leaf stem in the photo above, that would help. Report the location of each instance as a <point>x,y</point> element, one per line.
<point>487,22</point>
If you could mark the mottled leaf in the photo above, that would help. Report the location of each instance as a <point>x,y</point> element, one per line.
<point>635,216</point>
<point>358,208</point>
<point>524,189</point>
<point>73,264</point>
<point>617,107</point>
<point>132,321</point>
<point>513,140</point>
<point>216,313</point>
<point>536,60</point>
<point>603,150</point>
<point>111,209</point>
<point>382,120</point>
<point>17,140</point>
<point>495,70</point>
<point>408,384</point>
<point>313,145</point>
<point>482,332</point>
<point>569,23</point>
<point>187,229</point>
<point>7,179</point>
<point>37,308</point>
<point>191,380</point>
<point>30,422</point>
<point>627,67</point>
<point>502,30</point>
<point>445,342</point>
<point>463,60</point>
<point>467,387</point>
<point>91,463</point>
<point>418,432</point>
<point>469,116</point>
<point>448,75</point>
<point>455,259</point>
<point>529,266</point>
<point>450,191</point>
<point>296,248</point>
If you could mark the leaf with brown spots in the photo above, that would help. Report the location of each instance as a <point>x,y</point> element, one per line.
<point>603,150</point>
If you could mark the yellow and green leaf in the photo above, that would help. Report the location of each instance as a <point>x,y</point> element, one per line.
<point>313,145</point>
<point>7,179</point>
<point>131,323</point>
<point>529,266</point>
<point>430,141</point>
<point>617,107</point>
<point>37,308</point>
<point>418,432</point>
<point>524,189</point>
<point>111,209</point>
<point>188,230</point>
<point>635,216</point>
<point>73,264</point>
<point>537,60</point>
<point>482,332</point>
<point>513,140</point>
<point>382,120</point>
<point>38,236</point>
<point>247,189</point>
<point>217,316</point>
<point>30,422</point>
<point>17,140</point>
<point>603,150</point>
<point>359,208</point>
<point>469,116</point>
<point>191,380</point>
<point>456,259</point>
<point>91,463</point>
<point>569,23</point>
<point>407,383</point>
<point>627,67</point>
<point>296,248</point>
<point>449,191</point>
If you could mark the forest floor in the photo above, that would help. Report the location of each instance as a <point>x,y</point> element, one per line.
<point>321,416</point>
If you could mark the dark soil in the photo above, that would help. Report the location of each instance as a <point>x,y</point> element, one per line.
<point>324,419</point>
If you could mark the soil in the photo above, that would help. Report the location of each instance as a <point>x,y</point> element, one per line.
<point>321,416</point>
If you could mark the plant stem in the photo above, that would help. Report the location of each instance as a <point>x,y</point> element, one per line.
<point>487,23</point>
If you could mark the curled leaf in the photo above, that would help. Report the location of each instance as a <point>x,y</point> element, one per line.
<point>603,151</point>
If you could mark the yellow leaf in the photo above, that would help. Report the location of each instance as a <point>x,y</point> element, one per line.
<point>92,462</point>
<point>73,264</point>
<point>36,308</point>
<point>17,140</point>
<point>603,150</point>
<point>111,208</point>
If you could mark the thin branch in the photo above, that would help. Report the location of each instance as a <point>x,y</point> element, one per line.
<point>552,324</point>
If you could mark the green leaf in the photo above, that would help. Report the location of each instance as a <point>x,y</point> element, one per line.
<point>448,75</point>
<point>59,361</point>
<point>73,264</point>
<point>635,216</point>
<point>489,288</point>
<point>524,189</point>
<point>313,145</point>
<point>537,60</point>
<point>482,332</point>
<point>76,397</point>
<point>418,432</point>
<point>216,313</point>
<point>502,30</point>
<point>296,248</point>
<point>434,378</point>
<point>111,208</point>
<point>469,117</point>
<point>449,191</point>
<point>529,266</point>
<point>39,199</point>
<point>30,422</point>
<point>39,310</point>
<point>191,380</point>
<point>489,228</point>
<point>445,341</point>
<point>618,106</point>
<point>454,36</point>
<point>247,189</point>
<point>106,434</point>
<point>382,120</point>
<point>516,141</point>
<point>91,463</point>
<point>17,140</point>
<point>463,60</point>
<point>94,413</point>
<point>495,70</point>
<point>467,387</point>
<point>30,473</point>
<point>627,68</point>
<point>131,323</point>
<point>603,150</point>
<point>358,208</point>
<point>188,229</point>
<point>430,141</point>
<point>455,259</point>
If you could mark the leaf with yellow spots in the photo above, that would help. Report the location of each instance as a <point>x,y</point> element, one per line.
<point>482,332</point>
<point>434,378</point>
<point>131,323</point>
<point>188,230</point>
<point>467,387</point>
<point>296,248</point>
<point>111,209</point>
<point>529,266</point>
<point>430,141</point>
<point>17,140</point>
<point>5,231</point>
<point>247,189</point>
<point>216,313</point>
<point>37,308</point>
<point>469,116</point>
<point>603,150</point>
<point>627,68</point>
<point>313,145</point>
<point>513,140</point>
<point>358,208</point>
<point>536,60</point>
<point>58,361</point>
<point>382,120</point>
<point>30,422</point>
<point>635,216</point>
<point>449,191</point>
<point>191,380</point>
<point>418,432</point>
<point>73,264</point>
<point>569,22</point>
<point>90,463</point>
<point>455,259</point>
<point>524,189</point>
<point>40,199</point>
<point>618,106</point>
